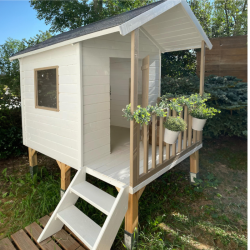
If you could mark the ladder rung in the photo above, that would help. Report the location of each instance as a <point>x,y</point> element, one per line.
<point>94,196</point>
<point>80,224</point>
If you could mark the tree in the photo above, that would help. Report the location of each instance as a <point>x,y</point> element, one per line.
<point>9,71</point>
<point>229,18</point>
<point>68,15</point>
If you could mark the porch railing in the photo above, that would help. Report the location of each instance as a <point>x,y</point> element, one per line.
<point>164,154</point>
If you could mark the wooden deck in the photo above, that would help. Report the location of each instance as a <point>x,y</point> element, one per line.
<point>26,239</point>
<point>115,168</point>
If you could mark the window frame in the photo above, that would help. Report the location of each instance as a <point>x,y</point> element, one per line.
<point>57,89</point>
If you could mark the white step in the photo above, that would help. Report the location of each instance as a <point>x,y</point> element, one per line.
<point>80,224</point>
<point>94,196</point>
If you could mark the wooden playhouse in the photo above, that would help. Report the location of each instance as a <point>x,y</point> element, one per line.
<point>73,89</point>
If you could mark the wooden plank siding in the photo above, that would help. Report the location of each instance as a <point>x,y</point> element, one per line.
<point>106,73</point>
<point>55,134</point>
<point>228,57</point>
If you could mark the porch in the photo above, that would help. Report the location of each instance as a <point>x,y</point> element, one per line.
<point>115,168</point>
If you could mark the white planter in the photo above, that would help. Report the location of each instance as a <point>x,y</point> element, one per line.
<point>170,136</point>
<point>198,124</point>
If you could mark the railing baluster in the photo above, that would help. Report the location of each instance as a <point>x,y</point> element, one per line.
<point>194,136</point>
<point>189,130</point>
<point>168,145</point>
<point>145,148</point>
<point>180,137</point>
<point>185,132</point>
<point>174,145</point>
<point>154,136</point>
<point>161,141</point>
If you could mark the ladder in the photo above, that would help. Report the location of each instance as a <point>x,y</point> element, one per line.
<point>91,234</point>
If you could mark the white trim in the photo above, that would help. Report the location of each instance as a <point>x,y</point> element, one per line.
<point>196,23</point>
<point>161,172</point>
<point>152,39</point>
<point>145,17</point>
<point>80,102</point>
<point>71,41</point>
<point>105,178</point>
<point>22,103</point>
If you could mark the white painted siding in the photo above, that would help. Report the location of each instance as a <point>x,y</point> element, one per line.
<point>100,72</point>
<point>56,134</point>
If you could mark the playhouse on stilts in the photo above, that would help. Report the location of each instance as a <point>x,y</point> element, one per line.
<point>73,89</point>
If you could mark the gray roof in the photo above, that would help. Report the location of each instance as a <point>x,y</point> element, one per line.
<point>91,28</point>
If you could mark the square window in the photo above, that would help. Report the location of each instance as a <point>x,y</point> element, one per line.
<point>46,88</point>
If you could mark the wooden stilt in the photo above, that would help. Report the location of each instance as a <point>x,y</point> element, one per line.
<point>131,219</point>
<point>194,166</point>
<point>65,176</point>
<point>32,161</point>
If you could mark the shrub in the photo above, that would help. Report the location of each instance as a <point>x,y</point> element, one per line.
<point>11,142</point>
<point>202,112</point>
<point>228,94</point>
<point>175,124</point>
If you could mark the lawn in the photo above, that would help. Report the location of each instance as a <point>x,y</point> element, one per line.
<point>172,213</point>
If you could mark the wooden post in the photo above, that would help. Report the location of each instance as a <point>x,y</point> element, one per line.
<point>194,166</point>
<point>131,220</point>
<point>65,176</point>
<point>194,158</point>
<point>32,161</point>
<point>202,67</point>
<point>134,127</point>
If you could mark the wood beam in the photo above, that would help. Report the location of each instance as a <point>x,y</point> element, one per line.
<point>131,217</point>
<point>202,67</point>
<point>32,157</point>
<point>194,162</point>
<point>32,161</point>
<point>134,127</point>
<point>65,175</point>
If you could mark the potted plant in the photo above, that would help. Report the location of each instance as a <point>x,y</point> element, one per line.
<point>200,114</point>
<point>173,126</point>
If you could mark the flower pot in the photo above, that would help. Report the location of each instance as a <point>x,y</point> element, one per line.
<point>170,136</point>
<point>198,124</point>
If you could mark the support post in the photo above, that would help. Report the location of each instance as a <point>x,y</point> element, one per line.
<point>134,127</point>
<point>32,161</point>
<point>65,176</point>
<point>194,166</point>
<point>131,222</point>
<point>194,158</point>
<point>202,67</point>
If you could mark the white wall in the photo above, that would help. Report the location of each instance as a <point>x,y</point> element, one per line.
<point>56,134</point>
<point>96,87</point>
<point>120,72</point>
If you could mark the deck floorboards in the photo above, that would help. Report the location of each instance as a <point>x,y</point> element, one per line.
<point>26,239</point>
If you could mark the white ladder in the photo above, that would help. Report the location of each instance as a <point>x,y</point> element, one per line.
<point>91,234</point>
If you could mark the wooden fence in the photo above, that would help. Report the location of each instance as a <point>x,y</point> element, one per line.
<point>228,57</point>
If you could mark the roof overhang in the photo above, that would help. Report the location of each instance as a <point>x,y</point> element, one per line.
<point>171,26</point>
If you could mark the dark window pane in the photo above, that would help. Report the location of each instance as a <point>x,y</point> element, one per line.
<point>46,87</point>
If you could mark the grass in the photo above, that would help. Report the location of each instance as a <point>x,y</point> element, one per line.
<point>172,213</point>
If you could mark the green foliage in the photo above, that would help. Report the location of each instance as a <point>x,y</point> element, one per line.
<point>202,112</point>
<point>175,124</point>
<point>10,110</point>
<point>178,63</point>
<point>228,94</point>
<point>141,115</point>
<point>157,110</point>
<point>68,15</point>
<point>9,71</point>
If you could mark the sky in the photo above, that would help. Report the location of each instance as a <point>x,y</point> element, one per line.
<point>18,20</point>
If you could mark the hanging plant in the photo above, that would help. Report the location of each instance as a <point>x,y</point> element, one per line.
<point>141,115</point>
